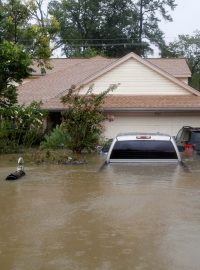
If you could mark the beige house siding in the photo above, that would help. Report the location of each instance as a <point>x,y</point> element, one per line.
<point>136,79</point>
<point>168,123</point>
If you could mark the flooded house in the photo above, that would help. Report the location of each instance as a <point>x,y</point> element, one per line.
<point>153,94</point>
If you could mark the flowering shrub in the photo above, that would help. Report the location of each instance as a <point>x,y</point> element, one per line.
<point>21,126</point>
<point>82,120</point>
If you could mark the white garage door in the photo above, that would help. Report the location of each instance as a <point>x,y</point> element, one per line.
<point>150,122</point>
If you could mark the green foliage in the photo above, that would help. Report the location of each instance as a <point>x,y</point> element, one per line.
<point>13,68</point>
<point>87,53</point>
<point>41,33</point>
<point>187,46</point>
<point>15,17</point>
<point>196,80</point>
<point>149,14</point>
<point>113,28</point>
<point>94,24</point>
<point>83,118</point>
<point>56,139</point>
<point>21,126</point>
<point>25,23</point>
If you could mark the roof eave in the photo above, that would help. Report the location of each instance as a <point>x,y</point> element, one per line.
<point>187,76</point>
<point>193,109</point>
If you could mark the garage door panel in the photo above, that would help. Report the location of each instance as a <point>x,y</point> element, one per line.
<point>149,123</point>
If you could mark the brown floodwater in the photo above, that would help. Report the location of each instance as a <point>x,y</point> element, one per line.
<point>123,217</point>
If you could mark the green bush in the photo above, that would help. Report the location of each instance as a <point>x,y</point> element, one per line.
<point>21,126</point>
<point>56,139</point>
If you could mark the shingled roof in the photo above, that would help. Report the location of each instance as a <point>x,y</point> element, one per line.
<point>177,67</point>
<point>138,103</point>
<point>68,72</point>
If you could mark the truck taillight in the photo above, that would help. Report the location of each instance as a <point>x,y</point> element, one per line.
<point>188,147</point>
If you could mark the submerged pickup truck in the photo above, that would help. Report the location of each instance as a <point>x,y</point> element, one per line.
<point>143,147</point>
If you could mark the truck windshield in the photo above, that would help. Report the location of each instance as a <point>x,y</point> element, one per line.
<point>143,149</point>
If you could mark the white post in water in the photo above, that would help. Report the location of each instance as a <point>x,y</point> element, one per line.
<point>20,167</point>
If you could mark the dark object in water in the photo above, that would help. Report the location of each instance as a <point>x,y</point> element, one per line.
<point>19,172</point>
<point>15,175</point>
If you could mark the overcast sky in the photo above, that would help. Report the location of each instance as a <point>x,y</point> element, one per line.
<point>186,19</point>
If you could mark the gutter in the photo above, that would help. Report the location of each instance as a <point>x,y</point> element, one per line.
<point>152,109</point>
<point>193,109</point>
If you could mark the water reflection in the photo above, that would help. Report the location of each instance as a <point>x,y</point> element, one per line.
<point>135,216</point>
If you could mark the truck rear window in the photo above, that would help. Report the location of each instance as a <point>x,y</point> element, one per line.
<point>143,149</point>
<point>195,137</point>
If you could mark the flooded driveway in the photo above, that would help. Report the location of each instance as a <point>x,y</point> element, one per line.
<point>124,217</point>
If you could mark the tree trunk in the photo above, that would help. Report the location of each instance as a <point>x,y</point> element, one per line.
<point>141,28</point>
<point>77,154</point>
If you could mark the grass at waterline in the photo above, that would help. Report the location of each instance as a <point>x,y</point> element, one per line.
<point>38,156</point>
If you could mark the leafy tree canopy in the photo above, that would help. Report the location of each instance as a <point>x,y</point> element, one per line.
<point>15,17</point>
<point>149,14</point>
<point>26,23</point>
<point>187,46</point>
<point>110,27</point>
<point>13,68</point>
